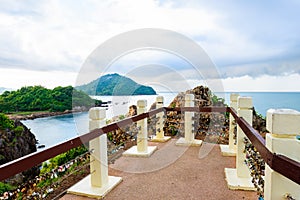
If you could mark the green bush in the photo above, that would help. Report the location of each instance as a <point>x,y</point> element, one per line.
<point>5,122</point>
<point>18,130</point>
<point>63,158</point>
<point>4,187</point>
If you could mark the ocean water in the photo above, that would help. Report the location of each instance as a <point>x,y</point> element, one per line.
<point>262,101</point>
<point>53,130</point>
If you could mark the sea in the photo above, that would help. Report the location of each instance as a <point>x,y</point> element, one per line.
<point>50,131</point>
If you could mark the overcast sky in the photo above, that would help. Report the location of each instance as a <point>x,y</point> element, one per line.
<point>255,45</point>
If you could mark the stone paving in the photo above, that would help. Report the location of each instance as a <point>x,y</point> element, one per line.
<point>174,172</point>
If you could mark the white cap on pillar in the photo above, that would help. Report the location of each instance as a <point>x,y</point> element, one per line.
<point>97,113</point>
<point>245,102</point>
<point>189,97</point>
<point>142,103</point>
<point>234,97</point>
<point>159,99</point>
<point>283,121</point>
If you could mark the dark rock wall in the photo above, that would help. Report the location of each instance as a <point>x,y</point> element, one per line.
<point>15,144</point>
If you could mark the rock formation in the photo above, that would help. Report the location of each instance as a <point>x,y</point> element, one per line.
<point>210,127</point>
<point>15,144</point>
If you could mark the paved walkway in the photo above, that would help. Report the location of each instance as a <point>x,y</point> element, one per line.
<point>174,172</point>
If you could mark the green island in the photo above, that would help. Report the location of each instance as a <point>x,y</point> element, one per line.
<point>117,85</point>
<point>37,98</point>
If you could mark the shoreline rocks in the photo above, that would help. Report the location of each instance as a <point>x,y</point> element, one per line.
<point>40,115</point>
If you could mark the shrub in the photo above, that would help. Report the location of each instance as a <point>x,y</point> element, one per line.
<point>4,187</point>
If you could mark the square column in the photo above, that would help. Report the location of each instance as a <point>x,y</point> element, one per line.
<point>141,149</point>
<point>230,150</point>
<point>189,135</point>
<point>283,125</point>
<point>98,183</point>
<point>239,178</point>
<point>160,137</point>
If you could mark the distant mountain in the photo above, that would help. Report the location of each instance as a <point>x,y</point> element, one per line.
<point>3,89</point>
<point>115,84</point>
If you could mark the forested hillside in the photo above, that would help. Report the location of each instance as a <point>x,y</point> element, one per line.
<point>115,84</point>
<point>38,98</point>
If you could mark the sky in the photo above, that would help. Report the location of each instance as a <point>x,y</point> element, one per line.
<point>254,45</point>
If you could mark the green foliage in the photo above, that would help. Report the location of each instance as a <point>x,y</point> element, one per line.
<point>4,187</point>
<point>121,117</point>
<point>38,98</point>
<point>174,131</point>
<point>47,182</point>
<point>5,122</point>
<point>215,99</point>
<point>114,84</point>
<point>18,130</point>
<point>110,136</point>
<point>62,159</point>
<point>173,105</point>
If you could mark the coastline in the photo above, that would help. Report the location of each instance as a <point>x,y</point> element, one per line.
<point>41,114</point>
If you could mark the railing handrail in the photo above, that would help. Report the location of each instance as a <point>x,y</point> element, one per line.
<point>26,162</point>
<point>279,163</point>
<point>282,164</point>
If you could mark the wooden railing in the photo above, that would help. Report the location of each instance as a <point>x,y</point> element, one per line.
<point>282,164</point>
<point>279,163</point>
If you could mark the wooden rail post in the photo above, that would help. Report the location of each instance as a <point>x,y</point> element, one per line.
<point>98,183</point>
<point>189,132</point>
<point>283,125</point>
<point>240,178</point>
<point>160,137</point>
<point>230,150</point>
<point>141,149</point>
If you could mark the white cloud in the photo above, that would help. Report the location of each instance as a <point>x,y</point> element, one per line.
<point>59,35</point>
<point>17,78</point>
<point>286,83</point>
<point>64,33</point>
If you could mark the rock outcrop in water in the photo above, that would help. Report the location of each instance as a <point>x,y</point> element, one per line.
<point>210,127</point>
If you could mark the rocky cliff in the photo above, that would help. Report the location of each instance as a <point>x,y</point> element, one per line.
<point>14,143</point>
<point>210,127</point>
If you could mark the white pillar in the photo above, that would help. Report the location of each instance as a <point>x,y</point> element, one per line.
<point>142,137</point>
<point>244,110</point>
<point>98,183</point>
<point>141,149</point>
<point>240,178</point>
<point>189,135</point>
<point>230,149</point>
<point>283,125</point>
<point>160,137</point>
<point>232,124</point>
<point>99,162</point>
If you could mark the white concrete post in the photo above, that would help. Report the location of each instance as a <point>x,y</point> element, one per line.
<point>141,149</point>
<point>142,137</point>
<point>98,183</point>
<point>189,135</point>
<point>283,125</point>
<point>99,162</point>
<point>232,125</point>
<point>160,121</point>
<point>160,137</point>
<point>240,177</point>
<point>244,110</point>
<point>230,149</point>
